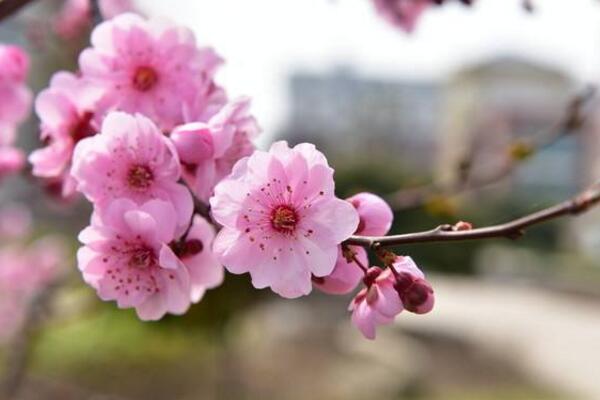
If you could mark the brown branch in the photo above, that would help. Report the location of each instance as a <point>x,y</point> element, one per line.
<point>571,121</point>
<point>10,7</point>
<point>512,230</point>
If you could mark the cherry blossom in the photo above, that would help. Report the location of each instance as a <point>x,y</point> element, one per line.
<point>387,293</point>
<point>415,292</point>
<point>206,272</point>
<point>150,66</point>
<point>208,150</point>
<point>346,274</point>
<point>131,159</point>
<point>375,214</point>
<point>281,219</point>
<point>402,13</point>
<point>66,112</point>
<point>375,219</point>
<point>127,258</point>
<point>16,97</point>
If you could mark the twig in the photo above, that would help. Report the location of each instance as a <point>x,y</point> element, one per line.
<point>571,121</point>
<point>10,7</point>
<point>512,230</point>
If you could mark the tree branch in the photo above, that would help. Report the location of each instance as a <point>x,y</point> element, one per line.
<point>571,121</point>
<point>10,7</point>
<point>512,230</point>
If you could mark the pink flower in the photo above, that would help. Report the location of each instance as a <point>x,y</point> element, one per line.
<point>126,257</point>
<point>111,8</point>
<point>346,274</point>
<point>208,150</point>
<point>281,219</point>
<point>376,304</point>
<point>66,113</point>
<point>402,13</point>
<point>415,292</point>
<point>375,219</point>
<point>148,66</point>
<point>375,214</point>
<point>12,160</point>
<point>131,159</point>
<point>206,272</point>
<point>15,97</point>
<point>73,18</point>
<point>387,293</point>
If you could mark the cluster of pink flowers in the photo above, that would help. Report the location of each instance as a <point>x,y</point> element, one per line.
<point>25,270</point>
<point>180,193</point>
<point>16,102</point>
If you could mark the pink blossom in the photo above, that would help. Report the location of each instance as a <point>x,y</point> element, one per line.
<point>73,18</point>
<point>376,304</point>
<point>402,13</point>
<point>15,221</point>
<point>281,219</point>
<point>415,292</point>
<point>127,258</point>
<point>206,272</point>
<point>15,96</point>
<point>208,150</point>
<point>12,160</point>
<point>375,219</point>
<point>387,293</point>
<point>111,8</point>
<point>346,274</point>
<point>375,214</point>
<point>150,66</point>
<point>65,110</point>
<point>131,159</point>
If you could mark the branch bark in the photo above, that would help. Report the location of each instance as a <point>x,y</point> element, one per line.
<point>10,7</point>
<point>511,230</point>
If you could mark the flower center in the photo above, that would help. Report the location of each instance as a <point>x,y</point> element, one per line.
<point>140,177</point>
<point>142,258</point>
<point>83,128</point>
<point>145,78</point>
<point>284,219</point>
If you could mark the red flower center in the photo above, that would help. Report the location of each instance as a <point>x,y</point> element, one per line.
<point>83,127</point>
<point>145,78</point>
<point>284,219</point>
<point>142,258</point>
<point>140,177</point>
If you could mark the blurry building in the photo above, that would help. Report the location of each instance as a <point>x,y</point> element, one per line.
<point>353,117</point>
<point>492,105</point>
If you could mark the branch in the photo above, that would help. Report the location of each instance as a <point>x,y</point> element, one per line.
<point>571,121</point>
<point>10,7</point>
<point>19,353</point>
<point>512,230</point>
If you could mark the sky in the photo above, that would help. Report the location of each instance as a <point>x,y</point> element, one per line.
<point>264,41</point>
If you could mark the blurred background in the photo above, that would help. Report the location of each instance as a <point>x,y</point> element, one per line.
<point>483,114</point>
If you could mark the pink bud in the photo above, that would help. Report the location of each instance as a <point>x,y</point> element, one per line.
<point>194,143</point>
<point>375,214</point>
